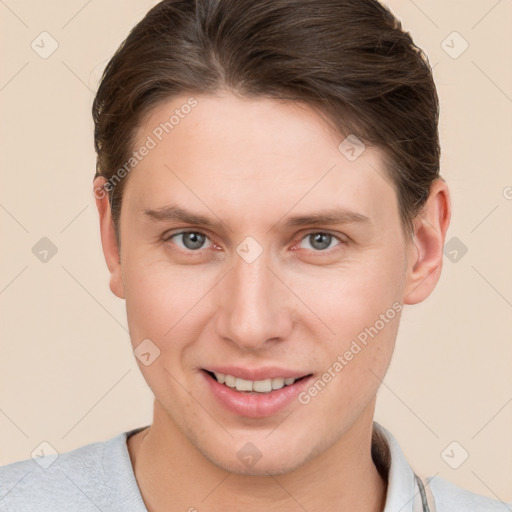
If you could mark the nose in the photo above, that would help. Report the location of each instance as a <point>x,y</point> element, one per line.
<point>255,305</point>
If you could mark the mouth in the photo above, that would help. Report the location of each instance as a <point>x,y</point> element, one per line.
<point>254,387</point>
<point>258,397</point>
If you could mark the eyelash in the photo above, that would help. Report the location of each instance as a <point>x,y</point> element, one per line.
<point>317,252</point>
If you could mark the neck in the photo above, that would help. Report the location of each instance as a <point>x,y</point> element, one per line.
<point>173,476</point>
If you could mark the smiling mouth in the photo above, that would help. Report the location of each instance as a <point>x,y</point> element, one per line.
<point>254,387</point>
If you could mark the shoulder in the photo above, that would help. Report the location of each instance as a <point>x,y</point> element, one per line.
<point>403,488</point>
<point>451,498</point>
<point>55,482</point>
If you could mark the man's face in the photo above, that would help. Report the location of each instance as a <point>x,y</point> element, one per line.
<point>253,294</point>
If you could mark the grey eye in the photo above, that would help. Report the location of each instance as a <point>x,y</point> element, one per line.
<point>320,241</point>
<point>191,240</point>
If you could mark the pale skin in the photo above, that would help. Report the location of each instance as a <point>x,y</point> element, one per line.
<point>250,164</point>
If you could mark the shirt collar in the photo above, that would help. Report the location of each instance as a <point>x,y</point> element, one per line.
<point>401,489</point>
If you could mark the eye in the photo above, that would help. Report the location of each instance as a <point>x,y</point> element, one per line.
<point>191,240</point>
<point>321,241</point>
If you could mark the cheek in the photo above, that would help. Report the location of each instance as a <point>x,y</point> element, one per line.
<point>350,299</point>
<point>160,308</point>
<point>353,365</point>
<point>166,305</point>
<point>156,299</point>
<point>361,306</point>
<point>146,304</point>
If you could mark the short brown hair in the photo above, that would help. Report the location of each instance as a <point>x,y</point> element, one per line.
<point>350,60</point>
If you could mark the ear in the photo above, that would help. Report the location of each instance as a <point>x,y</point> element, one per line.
<point>108,237</point>
<point>425,253</point>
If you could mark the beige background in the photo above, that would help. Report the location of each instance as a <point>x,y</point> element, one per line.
<point>67,373</point>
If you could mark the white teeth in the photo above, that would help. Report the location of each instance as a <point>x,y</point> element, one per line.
<point>243,385</point>
<point>259,386</point>
<point>229,380</point>
<point>220,377</point>
<point>277,383</point>
<point>262,386</point>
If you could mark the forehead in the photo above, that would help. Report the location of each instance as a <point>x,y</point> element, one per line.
<point>253,154</point>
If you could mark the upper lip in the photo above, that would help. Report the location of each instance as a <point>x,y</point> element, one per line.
<point>264,373</point>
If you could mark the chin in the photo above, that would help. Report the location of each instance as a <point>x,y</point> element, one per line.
<point>275,467</point>
<point>270,459</point>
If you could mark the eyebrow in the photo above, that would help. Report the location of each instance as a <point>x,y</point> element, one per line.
<point>324,217</point>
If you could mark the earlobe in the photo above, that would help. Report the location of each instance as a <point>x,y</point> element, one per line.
<point>108,237</point>
<point>425,252</point>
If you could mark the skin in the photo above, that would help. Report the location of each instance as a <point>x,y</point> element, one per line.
<point>251,163</point>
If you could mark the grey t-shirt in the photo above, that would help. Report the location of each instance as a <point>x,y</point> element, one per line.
<point>95,477</point>
<point>99,477</point>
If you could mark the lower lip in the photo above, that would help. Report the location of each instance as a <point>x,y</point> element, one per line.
<point>255,405</point>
